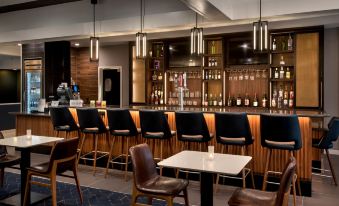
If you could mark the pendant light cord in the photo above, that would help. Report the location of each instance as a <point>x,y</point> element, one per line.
<point>142,15</point>
<point>196,19</point>
<point>260,11</point>
<point>94,19</point>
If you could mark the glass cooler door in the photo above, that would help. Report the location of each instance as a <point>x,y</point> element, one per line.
<point>33,89</point>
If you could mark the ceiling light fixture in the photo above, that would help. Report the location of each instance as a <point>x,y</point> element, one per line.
<point>141,38</point>
<point>197,41</point>
<point>94,41</point>
<point>19,44</point>
<point>76,44</point>
<point>260,34</point>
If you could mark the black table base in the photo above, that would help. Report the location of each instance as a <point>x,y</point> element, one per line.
<point>206,189</point>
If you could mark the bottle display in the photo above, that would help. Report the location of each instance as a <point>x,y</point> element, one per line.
<point>247,100</point>
<point>239,101</point>
<point>255,101</point>
<point>274,45</point>
<point>290,43</point>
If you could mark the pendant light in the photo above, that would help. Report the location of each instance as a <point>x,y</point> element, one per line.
<point>260,35</point>
<point>94,41</point>
<point>141,38</point>
<point>197,42</point>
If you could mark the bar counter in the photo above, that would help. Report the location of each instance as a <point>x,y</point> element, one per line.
<point>40,124</point>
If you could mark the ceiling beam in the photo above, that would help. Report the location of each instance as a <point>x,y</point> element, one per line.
<point>206,9</point>
<point>32,5</point>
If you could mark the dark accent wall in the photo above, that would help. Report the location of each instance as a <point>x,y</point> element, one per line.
<point>7,121</point>
<point>9,86</point>
<point>57,66</point>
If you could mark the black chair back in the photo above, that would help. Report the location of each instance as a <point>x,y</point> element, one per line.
<point>331,135</point>
<point>121,119</point>
<point>61,116</point>
<point>154,121</point>
<point>233,125</point>
<point>282,129</point>
<point>90,118</point>
<point>191,124</point>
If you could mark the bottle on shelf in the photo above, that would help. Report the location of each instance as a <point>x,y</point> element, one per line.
<point>282,73</point>
<point>285,101</point>
<point>206,100</point>
<point>215,100</point>
<point>255,100</point>
<point>247,100</point>
<point>274,45</point>
<point>290,43</point>
<point>213,47</point>
<point>160,76</point>
<point>282,61</point>
<point>210,100</point>
<point>283,45</point>
<point>279,102</point>
<point>209,62</point>
<point>215,62</point>
<point>291,98</point>
<point>239,101</point>
<point>219,74</point>
<point>216,74</point>
<point>280,92</point>
<point>264,101</point>
<point>220,100</point>
<point>288,73</point>
<point>209,74</point>
<point>206,74</point>
<point>229,100</point>
<point>276,73</point>
<point>212,74</point>
<point>152,96</point>
<point>154,76</point>
<point>161,96</point>
<point>274,99</point>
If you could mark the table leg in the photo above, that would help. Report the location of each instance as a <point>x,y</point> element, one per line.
<point>24,164</point>
<point>206,189</point>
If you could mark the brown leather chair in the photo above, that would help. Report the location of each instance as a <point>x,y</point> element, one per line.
<point>251,197</point>
<point>63,158</point>
<point>148,183</point>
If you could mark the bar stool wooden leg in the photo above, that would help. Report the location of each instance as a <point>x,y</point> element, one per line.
<point>296,172</point>
<point>161,151</point>
<point>81,146</point>
<point>126,158</point>
<point>331,167</point>
<point>95,153</point>
<point>109,157</point>
<point>294,190</point>
<point>243,171</point>
<point>268,158</point>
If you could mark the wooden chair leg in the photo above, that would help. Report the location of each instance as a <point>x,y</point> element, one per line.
<point>331,167</point>
<point>53,190</point>
<point>149,200</point>
<point>134,196</point>
<point>294,190</point>
<point>27,188</point>
<point>186,197</point>
<point>217,183</point>
<point>95,153</point>
<point>81,146</point>
<point>126,158</point>
<point>170,201</point>
<point>75,173</point>
<point>109,157</point>
<point>2,175</point>
<point>296,172</point>
<point>268,158</point>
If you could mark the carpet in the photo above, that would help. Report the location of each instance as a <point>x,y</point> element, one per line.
<point>67,194</point>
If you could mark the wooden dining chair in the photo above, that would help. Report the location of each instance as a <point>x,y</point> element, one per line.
<point>63,158</point>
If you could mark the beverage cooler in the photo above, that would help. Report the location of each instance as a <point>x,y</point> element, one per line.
<point>32,84</point>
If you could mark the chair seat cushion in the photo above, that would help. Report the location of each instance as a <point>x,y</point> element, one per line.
<point>234,140</point>
<point>42,168</point>
<point>163,186</point>
<point>194,138</point>
<point>154,135</point>
<point>91,130</point>
<point>9,160</point>
<point>316,144</point>
<point>63,128</point>
<point>250,197</point>
<point>122,132</point>
<point>288,145</point>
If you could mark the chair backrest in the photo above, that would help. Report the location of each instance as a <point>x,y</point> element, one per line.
<point>90,118</point>
<point>121,119</point>
<point>63,150</point>
<point>3,149</point>
<point>331,135</point>
<point>285,182</point>
<point>191,123</point>
<point>280,128</point>
<point>61,116</point>
<point>154,121</point>
<point>144,168</point>
<point>233,125</point>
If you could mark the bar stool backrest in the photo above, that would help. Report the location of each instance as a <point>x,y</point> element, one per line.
<point>232,125</point>
<point>121,119</point>
<point>285,181</point>
<point>280,129</point>
<point>61,116</point>
<point>3,149</point>
<point>331,135</point>
<point>90,118</point>
<point>154,121</point>
<point>191,123</point>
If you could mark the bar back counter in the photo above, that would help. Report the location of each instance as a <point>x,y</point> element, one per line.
<point>311,122</point>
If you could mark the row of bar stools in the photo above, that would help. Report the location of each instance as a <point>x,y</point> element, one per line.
<point>90,122</point>
<point>234,129</point>
<point>280,132</point>
<point>121,124</point>
<point>63,121</point>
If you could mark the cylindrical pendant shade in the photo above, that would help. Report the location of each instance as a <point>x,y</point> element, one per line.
<point>94,49</point>
<point>197,41</point>
<point>141,45</point>
<point>260,36</point>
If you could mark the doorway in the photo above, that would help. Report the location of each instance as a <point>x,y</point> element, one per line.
<point>110,85</point>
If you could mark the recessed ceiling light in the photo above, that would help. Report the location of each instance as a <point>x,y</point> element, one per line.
<point>77,44</point>
<point>19,44</point>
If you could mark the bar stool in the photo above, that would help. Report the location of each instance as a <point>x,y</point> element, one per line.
<point>121,124</point>
<point>280,132</point>
<point>191,128</point>
<point>326,143</point>
<point>154,126</point>
<point>63,121</point>
<point>91,123</point>
<point>234,129</point>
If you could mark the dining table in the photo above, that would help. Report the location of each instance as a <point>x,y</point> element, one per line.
<point>24,144</point>
<point>207,164</point>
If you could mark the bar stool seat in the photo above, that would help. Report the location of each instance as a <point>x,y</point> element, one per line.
<point>157,135</point>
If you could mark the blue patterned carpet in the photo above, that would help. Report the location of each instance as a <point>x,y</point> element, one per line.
<point>67,194</point>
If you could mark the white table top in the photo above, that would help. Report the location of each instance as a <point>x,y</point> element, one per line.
<point>26,141</point>
<point>199,161</point>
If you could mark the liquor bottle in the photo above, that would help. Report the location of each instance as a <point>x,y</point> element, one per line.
<point>285,101</point>
<point>283,45</point>
<point>229,100</point>
<point>239,101</point>
<point>282,72</point>
<point>264,101</point>
<point>162,96</point>
<point>220,100</point>
<point>290,43</point>
<point>280,92</point>
<point>206,74</point>
<point>209,62</point>
<point>152,96</point>
<point>215,63</point>
<point>274,45</point>
<point>156,96</point>
<point>288,73</point>
<point>290,101</point>
<point>255,100</point>
<point>210,100</point>
<point>154,76</point>
<point>247,100</point>
<point>160,77</point>
<point>209,74</point>
<point>212,62</point>
<point>280,102</point>
<point>274,99</point>
<point>175,80</point>
<point>206,100</point>
<point>215,74</point>
<point>282,61</point>
<point>213,48</point>
<point>212,74</point>
<point>276,73</point>
<point>215,100</point>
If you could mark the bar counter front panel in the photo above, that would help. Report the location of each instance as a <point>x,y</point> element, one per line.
<point>40,124</point>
